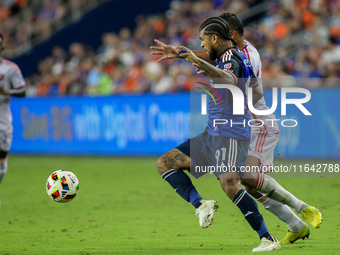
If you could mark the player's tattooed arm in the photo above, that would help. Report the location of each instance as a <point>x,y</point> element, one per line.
<point>218,75</point>
<point>215,73</point>
<point>203,54</point>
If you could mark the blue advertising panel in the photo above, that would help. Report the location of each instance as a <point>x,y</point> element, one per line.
<point>121,125</point>
<point>314,136</point>
<point>153,124</point>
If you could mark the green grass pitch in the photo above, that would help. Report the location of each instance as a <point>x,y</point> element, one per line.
<point>124,207</point>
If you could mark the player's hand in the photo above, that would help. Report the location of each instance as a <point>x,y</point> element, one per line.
<point>188,55</point>
<point>166,51</point>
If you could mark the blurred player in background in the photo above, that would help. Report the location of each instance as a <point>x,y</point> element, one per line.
<point>261,148</point>
<point>230,143</point>
<point>11,84</point>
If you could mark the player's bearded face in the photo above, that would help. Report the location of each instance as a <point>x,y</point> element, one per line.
<point>213,54</point>
<point>207,44</point>
<point>211,48</point>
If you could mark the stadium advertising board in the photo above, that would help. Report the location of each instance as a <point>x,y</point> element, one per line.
<point>152,124</point>
<point>122,125</point>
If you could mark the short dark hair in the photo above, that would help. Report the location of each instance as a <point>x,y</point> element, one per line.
<point>233,21</point>
<point>216,25</point>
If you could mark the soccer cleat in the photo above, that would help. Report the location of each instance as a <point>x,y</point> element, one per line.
<point>313,215</point>
<point>291,237</point>
<point>268,245</point>
<point>205,212</point>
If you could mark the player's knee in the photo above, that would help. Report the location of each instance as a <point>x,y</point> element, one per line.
<point>160,165</point>
<point>230,186</point>
<point>229,179</point>
<point>254,193</point>
<point>164,163</point>
<point>249,179</point>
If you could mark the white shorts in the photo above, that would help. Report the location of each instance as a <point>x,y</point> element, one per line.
<point>5,140</point>
<point>262,145</point>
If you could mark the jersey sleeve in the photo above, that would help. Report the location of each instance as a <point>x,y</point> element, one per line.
<point>230,64</point>
<point>17,80</point>
<point>253,80</point>
<point>255,63</point>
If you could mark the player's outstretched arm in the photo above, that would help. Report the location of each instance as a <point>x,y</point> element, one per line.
<point>203,54</point>
<point>169,52</point>
<point>13,92</point>
<point>257,94</point>
<point>218,75</point>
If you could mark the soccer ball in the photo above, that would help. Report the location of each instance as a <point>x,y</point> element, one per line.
<point>62,186</point>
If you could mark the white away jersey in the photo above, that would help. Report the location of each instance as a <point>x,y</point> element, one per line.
<point>254,57</point>
<point>10,78</point>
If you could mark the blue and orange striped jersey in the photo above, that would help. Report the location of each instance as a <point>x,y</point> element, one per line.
<point>237,64</point>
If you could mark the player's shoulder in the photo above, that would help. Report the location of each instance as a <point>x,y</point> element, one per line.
<point>251,51</point>
<point>9,64</point>
<point>237,54</point>
<point>231,54</point>
<point>250,46</point>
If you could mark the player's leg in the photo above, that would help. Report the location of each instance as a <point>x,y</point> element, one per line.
<point>231,185</point>
<point>5,144</point>
<point>170,166</point>
<point>232,154</point>
<point>267,185</point>
<point>3,164</point>
<point>264,149</point>
<point>281,211</point>
<point>297,228</point>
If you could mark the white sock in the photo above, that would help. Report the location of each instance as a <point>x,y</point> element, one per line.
<point>284,213</point>
<point>3,168</point>
<point>273,190</point>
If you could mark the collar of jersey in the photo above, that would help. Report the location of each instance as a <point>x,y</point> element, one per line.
<point>244,45</point>
<point>228,49</point>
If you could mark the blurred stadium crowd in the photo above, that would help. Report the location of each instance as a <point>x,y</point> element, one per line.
<point>296,39</point>
<point>24,21</point>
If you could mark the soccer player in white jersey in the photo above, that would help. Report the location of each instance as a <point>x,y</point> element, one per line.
<point>11,84</point>
<point>261,148</point>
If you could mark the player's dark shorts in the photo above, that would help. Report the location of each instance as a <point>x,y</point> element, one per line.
<point>215,154</point>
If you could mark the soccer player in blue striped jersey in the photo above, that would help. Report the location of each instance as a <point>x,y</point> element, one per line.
<point>232,68</point>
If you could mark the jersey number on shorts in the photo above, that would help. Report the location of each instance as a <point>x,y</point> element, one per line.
<point>217,156</point>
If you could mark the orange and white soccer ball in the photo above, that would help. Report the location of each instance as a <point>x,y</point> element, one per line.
<point>62,186</point>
